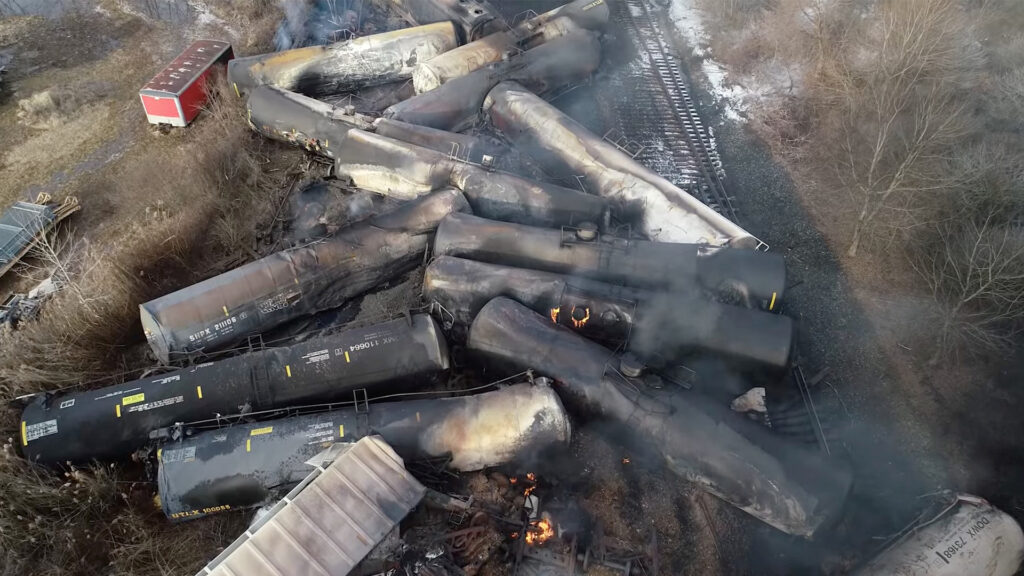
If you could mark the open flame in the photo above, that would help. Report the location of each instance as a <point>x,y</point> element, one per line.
<point>582,321</point>
<point>539,532</point>
<point>531,477</point>
<point>554,314</point>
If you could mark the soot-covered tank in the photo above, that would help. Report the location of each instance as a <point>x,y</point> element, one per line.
<point>247,464</point>
<point>112,422</point>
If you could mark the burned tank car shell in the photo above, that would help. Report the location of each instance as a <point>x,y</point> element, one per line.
<point>246,465</point>
<point>112,422</point>
<point>970,537</point>
<point>473,149</point>
<point>656,325</point>
<point>473,18</point>
<point>296,119</point>
<point>379,164</point>
<point>742,462</point>
<point>530,33</point>
<point>457,104</point>
<point>344,66</point>
<point>757,279</point>
<point>662,211</point>
<point>226,309</point>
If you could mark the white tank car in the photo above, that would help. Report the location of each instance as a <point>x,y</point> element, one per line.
<point>970,537</point>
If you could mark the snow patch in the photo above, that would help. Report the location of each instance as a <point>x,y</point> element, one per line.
<point>688,22</point>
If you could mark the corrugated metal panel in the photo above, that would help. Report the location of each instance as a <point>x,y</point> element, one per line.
<point>329,522</point>
<point>19,225</point>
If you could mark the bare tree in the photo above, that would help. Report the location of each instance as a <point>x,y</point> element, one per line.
<point>976,274</point>
<point>898,104</point>
<point>59,255</point>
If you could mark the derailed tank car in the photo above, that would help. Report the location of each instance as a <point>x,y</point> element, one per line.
<point>296,119</point>
<point>969,537</point>
<point>244,465</point>
<point>112,422</point>
<point>344,66</point>
<point>386,166</point>
<point>665,212</point>
<point>530,33</point>
<point>248,300</point>
<point>755,278</point>
<point>741,462</point>
<point>655,325</point>
<point>322,128</point>
<point>474,18</point>
<point>456,104</point>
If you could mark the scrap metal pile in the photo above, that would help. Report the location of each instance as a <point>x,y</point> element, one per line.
<point>543,308</point>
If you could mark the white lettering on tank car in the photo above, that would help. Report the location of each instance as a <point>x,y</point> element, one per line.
<point>318,356</point>
<point>40,429</point>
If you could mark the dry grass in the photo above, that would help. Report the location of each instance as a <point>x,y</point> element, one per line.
<point>209,196</point>
<point>877,107</point>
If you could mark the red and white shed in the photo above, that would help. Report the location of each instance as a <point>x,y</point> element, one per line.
<point>176,94</point>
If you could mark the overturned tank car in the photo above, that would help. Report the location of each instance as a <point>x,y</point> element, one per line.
<point>344,66</point>
<point>473,18</point>
<point>244,465</point>
<point>751,277</point>
<point>456,104</point>
<point>322,128</point>
<point>386,166</point>
<point>473,149</point>
<point>741,462</point>
<point>967,537</point>
<point>530,33</point>
<point>296,119</point>
<point>654,325</point>
<point>112,422</point>
<point>665,212</point>
<point>227,309</point>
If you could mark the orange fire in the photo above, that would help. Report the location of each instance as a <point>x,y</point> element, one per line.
<point>539,532</point>
<point>625,460</point>
<point>531,476</point>
<point>513,480</point>
<point>582,321</point>
<point>529,490</point>
<point>554,314</point>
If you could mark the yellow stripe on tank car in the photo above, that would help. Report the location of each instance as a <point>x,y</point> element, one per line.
<point>117,408</point>
<point>199,392</point>
<point>24,434</point>
<point>347,359</point>
<point>288,370</point>
<point>248,445</point>
<point>772,305</point>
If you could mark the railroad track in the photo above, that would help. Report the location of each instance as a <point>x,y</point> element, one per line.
<point>665,102</point>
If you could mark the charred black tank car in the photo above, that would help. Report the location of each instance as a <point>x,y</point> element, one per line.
<point>226,309</point>
<point>755,278</point>
<point>742,462</point>
<point>656,325</point>
<point>112,422</point>
<point>244,465</point>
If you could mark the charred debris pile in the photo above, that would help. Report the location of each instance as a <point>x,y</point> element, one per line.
<point>543,309</point>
